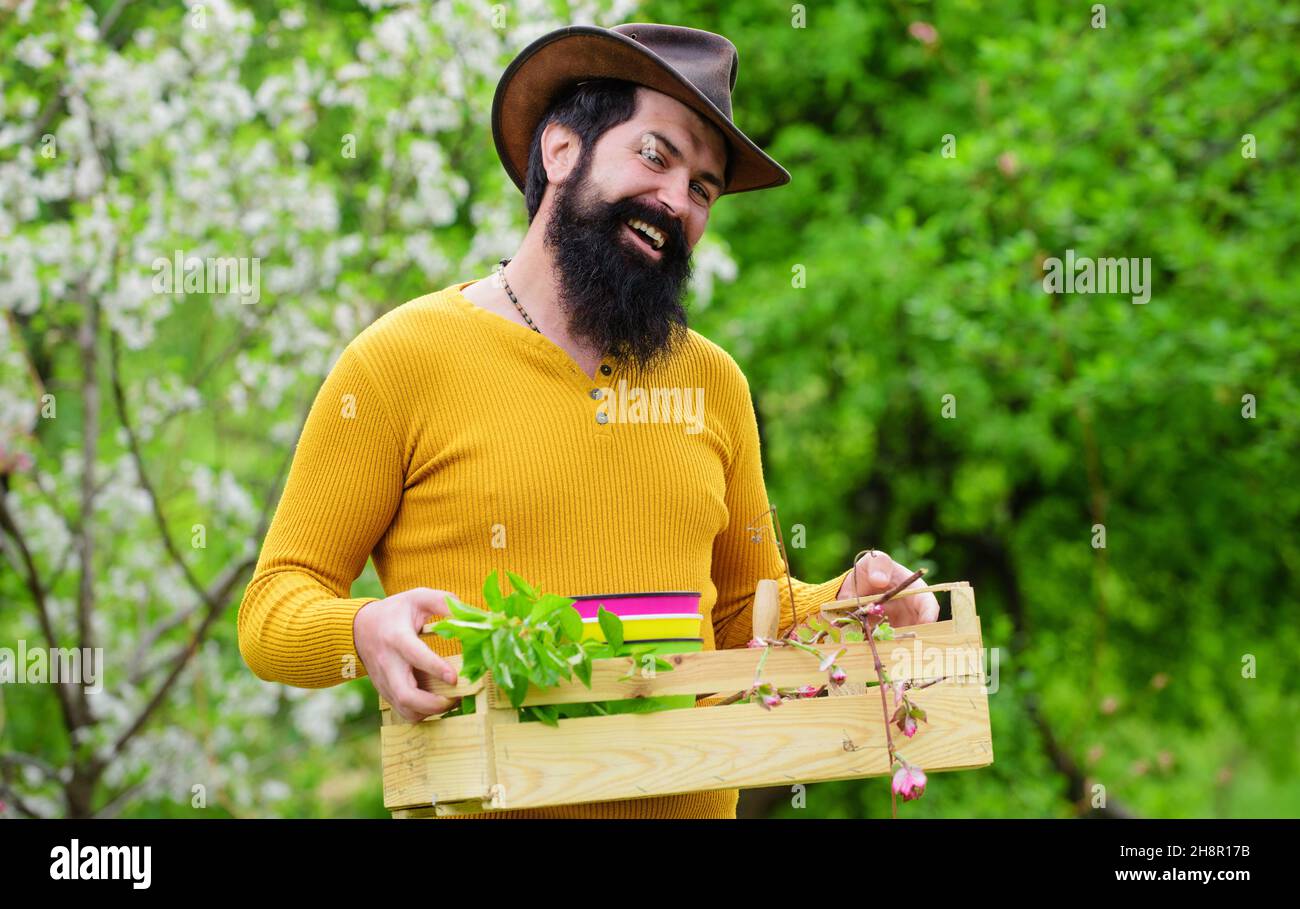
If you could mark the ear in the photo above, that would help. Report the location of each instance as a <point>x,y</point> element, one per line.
<point>560,149</point>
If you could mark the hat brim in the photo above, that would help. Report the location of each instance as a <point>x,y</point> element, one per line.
<point>577,53</point>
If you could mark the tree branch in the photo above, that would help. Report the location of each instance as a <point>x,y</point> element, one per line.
<point>71,717</point>
<point>133,442</point>
<point>215,598</point>
<point>87,338</point>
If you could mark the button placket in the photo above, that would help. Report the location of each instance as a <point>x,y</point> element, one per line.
<point>597,394</point>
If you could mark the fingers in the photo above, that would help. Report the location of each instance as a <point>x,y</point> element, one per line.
<point>929,608</point>
<point>414,704</point>
<point>872,573</point>
<point>416,653</point>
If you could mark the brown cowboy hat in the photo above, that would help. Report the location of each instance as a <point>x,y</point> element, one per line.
<point>697,68</point>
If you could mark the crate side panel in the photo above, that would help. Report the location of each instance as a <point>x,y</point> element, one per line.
<point>738,746</point>
<point>437,760</point>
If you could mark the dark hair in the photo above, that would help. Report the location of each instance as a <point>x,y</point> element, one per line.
<point>590,109</point>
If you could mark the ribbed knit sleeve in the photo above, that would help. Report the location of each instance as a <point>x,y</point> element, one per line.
<point>344,485</point>
<point>739,561</point>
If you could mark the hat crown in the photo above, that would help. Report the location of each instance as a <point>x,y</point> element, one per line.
<point>709,61</point>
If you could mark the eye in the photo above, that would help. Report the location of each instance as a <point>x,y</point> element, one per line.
<point>650,155</point>
<point>704,193</point>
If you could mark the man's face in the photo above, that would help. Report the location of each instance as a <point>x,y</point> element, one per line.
<point>622,286</point>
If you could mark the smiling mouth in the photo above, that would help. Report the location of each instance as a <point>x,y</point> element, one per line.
<point>644,240</point>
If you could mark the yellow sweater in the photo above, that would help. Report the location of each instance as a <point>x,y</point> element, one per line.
<point>448,441</point>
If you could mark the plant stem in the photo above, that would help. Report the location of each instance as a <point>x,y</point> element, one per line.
<point>862,616</point>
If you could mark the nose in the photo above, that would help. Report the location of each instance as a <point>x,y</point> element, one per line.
<point>674,203</point>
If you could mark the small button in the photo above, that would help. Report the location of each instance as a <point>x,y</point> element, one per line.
<point>602,418</point>
<point>604,369</point>
<point>595,394</point>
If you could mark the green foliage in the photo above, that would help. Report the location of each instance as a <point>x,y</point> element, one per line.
<point>924,279</point>
<point>534,639</point>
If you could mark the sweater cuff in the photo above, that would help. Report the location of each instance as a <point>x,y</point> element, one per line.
<point>310,646</point>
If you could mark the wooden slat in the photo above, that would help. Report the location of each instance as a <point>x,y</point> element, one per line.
<point>428,762</point>
<point>729,671</point>
<point>854,603</point>
<point>741,746</point>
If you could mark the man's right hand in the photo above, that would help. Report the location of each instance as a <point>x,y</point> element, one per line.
<point>386,634</point>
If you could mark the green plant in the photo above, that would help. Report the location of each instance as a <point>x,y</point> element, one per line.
<point>532,638</point>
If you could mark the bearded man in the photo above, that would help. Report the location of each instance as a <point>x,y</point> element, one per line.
<point>469,430</point>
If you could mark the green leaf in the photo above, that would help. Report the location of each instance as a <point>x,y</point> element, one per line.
<point>465,612</point>
<point>521,585</point>
<point>582,669</point>
<point>570,622</point>
<point>546,607</point>
<point>463,625</point>
<point>545,713</point>
<point>518,691</point>
<point>518,605</point>
<point>612,626</point>
<point>492,593</point>
<point>506,679</point>
<point>550,658</point>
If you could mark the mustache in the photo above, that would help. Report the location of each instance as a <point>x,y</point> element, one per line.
<point>671,228</point>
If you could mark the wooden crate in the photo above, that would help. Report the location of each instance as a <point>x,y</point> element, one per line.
<point>489,760</point>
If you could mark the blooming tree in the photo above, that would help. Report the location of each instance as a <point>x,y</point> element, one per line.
<point>198,209</point>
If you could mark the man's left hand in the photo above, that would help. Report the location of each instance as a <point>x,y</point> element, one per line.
<point>875,573</point>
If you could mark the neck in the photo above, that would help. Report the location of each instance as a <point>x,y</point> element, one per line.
<point>531,275</point>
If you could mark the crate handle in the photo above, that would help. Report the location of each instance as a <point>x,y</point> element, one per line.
<point>767,610</point>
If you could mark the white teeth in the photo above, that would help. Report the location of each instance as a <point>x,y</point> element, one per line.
<point>649,231</point>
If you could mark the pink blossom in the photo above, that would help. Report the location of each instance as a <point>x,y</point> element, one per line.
<point>909,782</point>
<point>771,700</point>
<point>909,726</point>
<point>808,691</point>
<point>838,675</point>
<point>755,642</point>
<point>14,462</point>
<point>924,32</point>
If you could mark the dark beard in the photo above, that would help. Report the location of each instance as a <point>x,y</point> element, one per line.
<point>619,300</point>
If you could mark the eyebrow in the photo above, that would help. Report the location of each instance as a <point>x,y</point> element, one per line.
<point>706,176</point>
